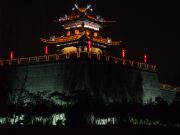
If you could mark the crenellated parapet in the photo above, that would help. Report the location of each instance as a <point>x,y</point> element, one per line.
<point>79,55</point>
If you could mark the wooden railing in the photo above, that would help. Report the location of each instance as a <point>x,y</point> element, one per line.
<point>59,57</point>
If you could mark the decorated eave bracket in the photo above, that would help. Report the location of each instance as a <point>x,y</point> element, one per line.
<point>59,40</point>
<point>82,23</point>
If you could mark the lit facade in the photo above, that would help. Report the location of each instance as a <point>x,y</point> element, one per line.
<point>81,30</point>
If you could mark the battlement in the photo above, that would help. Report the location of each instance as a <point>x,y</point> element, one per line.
<point>88,55</point>
<point>86,71</point>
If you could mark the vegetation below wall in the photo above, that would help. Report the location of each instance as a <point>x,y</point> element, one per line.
<point>25,108</point>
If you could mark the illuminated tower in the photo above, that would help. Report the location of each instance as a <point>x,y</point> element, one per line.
<point>82,33</point>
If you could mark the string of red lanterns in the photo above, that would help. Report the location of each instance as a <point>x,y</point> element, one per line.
<point>123,55</point>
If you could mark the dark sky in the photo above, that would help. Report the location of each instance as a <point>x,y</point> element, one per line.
<point>143,26</point>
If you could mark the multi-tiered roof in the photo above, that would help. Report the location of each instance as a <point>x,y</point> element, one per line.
<point>82,32</point>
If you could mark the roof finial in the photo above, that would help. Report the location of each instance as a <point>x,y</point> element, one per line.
<point>81,9</point>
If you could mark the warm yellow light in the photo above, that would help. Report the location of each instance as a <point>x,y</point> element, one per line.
<point>79,49</point>
<point>67,28</point>
<point>68,33</point>
<point>1,63</point>
<point>70,49</point>
<point>85,49</point>
<point>95,50</point>
<point>77,31</point>
<point>87,32</point>
<point>95,34</point>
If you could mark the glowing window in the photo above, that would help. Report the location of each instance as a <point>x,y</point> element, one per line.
<point>87,32</point>
<point>95,34</point>
<point>76,32</point>
<point>109,40</point>
<point>68,33</point>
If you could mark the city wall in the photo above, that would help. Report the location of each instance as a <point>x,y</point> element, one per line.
<point>108,78</point>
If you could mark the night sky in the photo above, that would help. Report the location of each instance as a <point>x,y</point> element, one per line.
<point>143,26</point>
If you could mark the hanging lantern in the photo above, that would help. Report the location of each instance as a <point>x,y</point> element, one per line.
<point>123,53</point>
<point>145,58</point>
<point>46,50</point>
<point>11,55</point>
<point>89,44</point>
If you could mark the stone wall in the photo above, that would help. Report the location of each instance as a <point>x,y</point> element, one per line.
<point>150,84</point>
<point>109,82</point>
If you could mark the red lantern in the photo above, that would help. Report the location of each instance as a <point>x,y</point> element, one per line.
<point>145,58</point>
<point>89,44</point>
<point>123,53</point>
<point>46,50</point>
<point>11,55</point>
